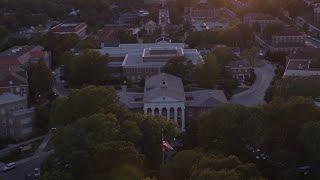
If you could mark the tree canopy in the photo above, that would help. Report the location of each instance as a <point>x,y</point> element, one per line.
<point>41,80</point>
<point>89,68</point>
<point>179,66</point>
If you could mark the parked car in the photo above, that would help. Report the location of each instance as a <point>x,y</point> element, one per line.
<point>36,172</point>
<point>9,166</point>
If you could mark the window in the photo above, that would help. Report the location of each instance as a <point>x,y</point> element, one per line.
<point>23,89</point>
<point>190,113</point>
<point>27,130</point>
<point>26,121</point>
<point>17,89</point>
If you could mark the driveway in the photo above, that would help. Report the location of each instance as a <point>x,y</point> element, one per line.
<point>58,87</point>
<point>27,165</point>
<point>255,95</point>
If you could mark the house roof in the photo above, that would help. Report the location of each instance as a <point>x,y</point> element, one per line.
<point>68,27</point>
<point>151,23</point>
<point>9,78</point>
<point>11,56</point>
<point>305,53</point>
<point>206,98</point>
<point>238,64</point>
<point>131,100</point>
<point>163,85</point>
<point>289,31</point>
<point>298,65</point>
<point>259,16</point>
<point>10,98</point>
<point>288,44</point>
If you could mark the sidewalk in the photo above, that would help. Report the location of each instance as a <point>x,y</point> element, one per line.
<point>10,147</point>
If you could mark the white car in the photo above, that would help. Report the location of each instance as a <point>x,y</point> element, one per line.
<point>36,172</point>
<point>9,166</point>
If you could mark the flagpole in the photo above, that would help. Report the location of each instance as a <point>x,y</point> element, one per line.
<point>162,146</point>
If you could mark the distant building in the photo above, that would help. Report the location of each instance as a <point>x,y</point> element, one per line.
<point>316,14</point>
<point>239,70</point>
<point>164,95</point>
<point>150,27</point>
<point>78,29</point>
<point>262,19</point>
<point>303,63</point>
<point>13,80</point>
<point>24,55</point>
<point>15,117</point>
<point>161,2</point>
<point>201,12</point>
<point>288,40</point>
<point>140,61</point>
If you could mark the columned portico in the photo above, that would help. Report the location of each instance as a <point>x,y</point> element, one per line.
<point>164,110</point>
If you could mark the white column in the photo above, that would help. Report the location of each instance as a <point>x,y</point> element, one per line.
<point>176,115</point>
<point>152,111</point>
<point>182,120</point>
<point>160,111</point>
<point>145,110</point>
<point>168,113</point>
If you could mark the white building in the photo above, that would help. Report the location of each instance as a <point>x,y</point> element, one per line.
<point>140,61</point>
<point>164,95</point>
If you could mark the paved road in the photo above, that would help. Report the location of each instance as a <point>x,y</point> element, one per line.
<point>59,88</point>
<point>27,165</point>
<point>23,169</point>
<point>255,95</point>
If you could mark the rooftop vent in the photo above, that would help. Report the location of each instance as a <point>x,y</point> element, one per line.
<point>163,84</point>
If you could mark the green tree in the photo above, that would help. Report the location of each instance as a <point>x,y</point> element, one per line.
<point>230,127</point>
<point>83,103</point>
<point>182,163</point>
<point>271,29</point>
<point>210,73</point>
<point>126,36</point>
<point>194,164</point>
<point>284,120</point>
<point>224,55</point>
<point>310,138</point>
<point>256,27</point>
<point>41,80</point>
<point>250,55</point>
<point>90,68</point>
<point>179,66</point>
<point>89,42</point>
<point>3,33</point>
<point>58,44</point>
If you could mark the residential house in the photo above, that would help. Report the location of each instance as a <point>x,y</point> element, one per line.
<point>150,27</point>
<point>15,117</point>
<point>164,95</point>
<point>24,55</point>
<point>240,70</point>
<point>78,29</point>
<point>13,80</point>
